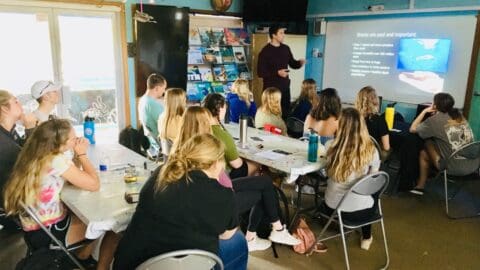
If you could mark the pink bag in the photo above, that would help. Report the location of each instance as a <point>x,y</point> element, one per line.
<point>308,243</point>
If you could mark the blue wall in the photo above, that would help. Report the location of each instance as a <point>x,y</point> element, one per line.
<point>193,4</point>
<point>314,68</point>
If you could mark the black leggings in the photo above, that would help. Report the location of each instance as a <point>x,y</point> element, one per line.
<point>258,194</point>
<point>357,216</point>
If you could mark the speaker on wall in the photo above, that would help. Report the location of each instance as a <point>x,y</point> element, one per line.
<point>319,26</point>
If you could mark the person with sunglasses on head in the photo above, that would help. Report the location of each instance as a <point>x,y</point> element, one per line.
<point>47,94</point>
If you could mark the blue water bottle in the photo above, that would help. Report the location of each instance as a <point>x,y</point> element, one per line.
<point>312,147</point>
<point>89,128</point>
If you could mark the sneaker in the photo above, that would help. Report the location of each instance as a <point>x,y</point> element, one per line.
<point>365,243</point>
<point>283,237</point>
<point>417,191</point>
<point>258,244</point>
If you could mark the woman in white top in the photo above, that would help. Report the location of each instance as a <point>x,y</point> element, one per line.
<point>351,156</point>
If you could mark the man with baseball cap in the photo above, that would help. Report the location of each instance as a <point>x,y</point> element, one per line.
<point>47,93</point>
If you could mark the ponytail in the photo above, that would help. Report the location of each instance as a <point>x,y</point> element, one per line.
<point>456,115</point>
<point>198,153</point>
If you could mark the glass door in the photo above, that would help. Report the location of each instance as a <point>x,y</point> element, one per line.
<point>88,69</point>
<point>80,48</point>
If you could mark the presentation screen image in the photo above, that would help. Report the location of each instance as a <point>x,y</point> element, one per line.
<point>421,54</point>
<point>405,59</point>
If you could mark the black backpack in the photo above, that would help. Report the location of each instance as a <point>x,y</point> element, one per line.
<point>134,140</point>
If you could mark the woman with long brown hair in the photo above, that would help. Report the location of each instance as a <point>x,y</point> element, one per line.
<point>351,156</point>
<point>37,179</point>
<point>323,118</point>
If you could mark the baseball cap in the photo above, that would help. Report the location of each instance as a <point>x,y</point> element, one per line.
<point>40,88</point>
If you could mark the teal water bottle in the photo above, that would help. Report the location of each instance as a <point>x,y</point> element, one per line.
<point>89,128</point>
<point>312,147</point>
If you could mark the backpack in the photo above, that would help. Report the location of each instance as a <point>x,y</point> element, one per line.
<point>134,140</point>
<point>308,245</point>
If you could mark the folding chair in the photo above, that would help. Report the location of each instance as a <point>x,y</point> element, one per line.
<point>366,186</point>
<point>31,212</point>
<point>189,259</point>
<point>469,156</point>
<point>294,127</point>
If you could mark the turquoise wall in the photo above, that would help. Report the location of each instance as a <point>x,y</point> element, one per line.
<point>314,68</point>
<point>236,7</point>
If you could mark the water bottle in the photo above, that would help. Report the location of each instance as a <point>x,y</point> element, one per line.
<point>243,131</point>
<point>89,128</point>
<point>103,162</point>
<point>312,147</point>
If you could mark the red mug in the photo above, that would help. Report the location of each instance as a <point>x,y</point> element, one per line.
<point>268,127</point>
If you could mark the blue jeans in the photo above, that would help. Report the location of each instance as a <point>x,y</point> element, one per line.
<point>234,252</point>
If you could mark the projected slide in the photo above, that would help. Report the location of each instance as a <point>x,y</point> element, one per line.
<point>417,54</point>
<point>404,59</point>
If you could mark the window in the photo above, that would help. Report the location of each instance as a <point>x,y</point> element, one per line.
<point>78,48</point>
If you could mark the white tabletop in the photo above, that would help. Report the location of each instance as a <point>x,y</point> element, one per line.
<point>294,164</point>
<point>106,209</point>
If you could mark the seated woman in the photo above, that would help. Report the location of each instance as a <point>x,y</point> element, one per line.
<point>215,103</point>
<point>170,121</point>
<point>166,221</point>
<point>254,193</point>
<point>10,142</point>
<point>37,179</point>
<point>323,119</point>
<point>351,156</point>
<point>367,104</point>
<point>445,132</point>
<point>307,100</point>
<point>271,110</point>
<point>240,101</point>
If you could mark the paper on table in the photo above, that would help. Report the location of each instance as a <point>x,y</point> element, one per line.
<point>269,154</point>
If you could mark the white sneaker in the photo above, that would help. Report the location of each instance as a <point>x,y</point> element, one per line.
<point>283,237</point>
<point>365,243</point>
<point>258,244</point>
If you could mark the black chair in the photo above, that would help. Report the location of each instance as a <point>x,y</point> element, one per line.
<point>469,157</point>
<point>369,185</point>
<point>294,127</point>
<point>57,244</point>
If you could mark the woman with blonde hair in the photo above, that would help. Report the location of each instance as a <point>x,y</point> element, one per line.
<point>195,120</point>
<point>170,121</point>
<point>37,179</point>
<point>166,221</point>
<point>351,156</point>
<point>323,118</point>
<point>240,101</point>
<point>307,100</point>
<point>271,110</point>
<point>10,142</point>
<point>367,104</point>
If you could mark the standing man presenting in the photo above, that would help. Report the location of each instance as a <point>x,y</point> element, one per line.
<point>273,62</point>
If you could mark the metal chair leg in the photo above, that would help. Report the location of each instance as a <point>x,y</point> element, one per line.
<point>344,242</point>
<point>386,246</point>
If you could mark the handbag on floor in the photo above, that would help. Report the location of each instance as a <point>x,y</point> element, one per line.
<point>308,245</point>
